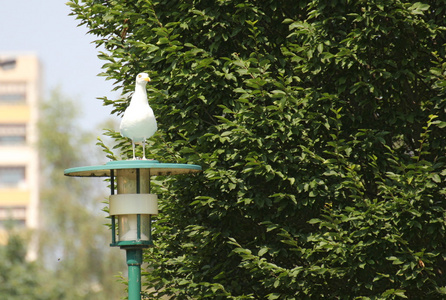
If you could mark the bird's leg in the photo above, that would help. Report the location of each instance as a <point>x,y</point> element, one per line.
<point>144,150</point>
<point>133,146</point>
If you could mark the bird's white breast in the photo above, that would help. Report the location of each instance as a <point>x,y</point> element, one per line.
<point>138,123</point>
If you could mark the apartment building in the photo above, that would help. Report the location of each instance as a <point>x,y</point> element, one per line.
<point>20,90</point>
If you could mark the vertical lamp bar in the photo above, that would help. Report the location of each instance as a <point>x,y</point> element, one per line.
<point>150,216</point>
<point>138,216</point>
<point>113,228</point>
<point>138,227</point>
<point>112,192</point>
<point>112,182</point>
<point>138,181</point>
<point>150,181</point>
<point>150,227</point>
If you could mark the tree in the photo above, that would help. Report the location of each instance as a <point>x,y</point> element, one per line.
<point>73,239</point>
<point>319,128</point>
<point>20,279</point>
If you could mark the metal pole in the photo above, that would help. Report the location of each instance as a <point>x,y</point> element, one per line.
<point>134,261</point>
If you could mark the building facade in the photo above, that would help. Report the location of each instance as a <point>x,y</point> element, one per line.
<point>20,90</point>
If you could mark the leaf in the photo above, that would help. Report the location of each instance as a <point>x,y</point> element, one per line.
<point>395,260</point>
<point>262,251</point>
<point>418,8</point>
<point>436,178</point>
<point>314,221</point>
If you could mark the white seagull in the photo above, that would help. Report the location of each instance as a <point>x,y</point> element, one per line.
<point>138,122</point>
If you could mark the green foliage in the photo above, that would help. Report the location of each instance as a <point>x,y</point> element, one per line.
<point>73,241</point>
<point>17,277</point>
<point>319,126</point>
<point>23,279</point>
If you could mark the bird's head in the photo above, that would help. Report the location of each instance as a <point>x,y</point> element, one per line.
<point>142,78</point>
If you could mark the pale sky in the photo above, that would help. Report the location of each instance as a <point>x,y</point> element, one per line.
<point>68,57</point>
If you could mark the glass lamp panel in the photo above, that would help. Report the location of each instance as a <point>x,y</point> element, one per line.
<point>126,179</point>
<point>127,228</point>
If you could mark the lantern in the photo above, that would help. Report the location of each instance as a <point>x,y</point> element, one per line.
<point>132,205</point>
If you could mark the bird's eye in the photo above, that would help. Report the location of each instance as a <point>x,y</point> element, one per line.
<point>139,76</point>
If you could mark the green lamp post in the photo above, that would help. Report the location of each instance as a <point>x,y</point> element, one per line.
<point>131,206</point>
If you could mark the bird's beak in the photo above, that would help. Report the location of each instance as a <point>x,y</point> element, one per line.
<point>147,79</point>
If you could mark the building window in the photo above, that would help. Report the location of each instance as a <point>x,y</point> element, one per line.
<point>8,64</point>
<point>12,177</point>
<point>15,216</point>
<point>12,134</point>
<point>12,92</point>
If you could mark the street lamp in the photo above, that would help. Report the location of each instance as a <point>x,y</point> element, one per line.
<point>132,207</point>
